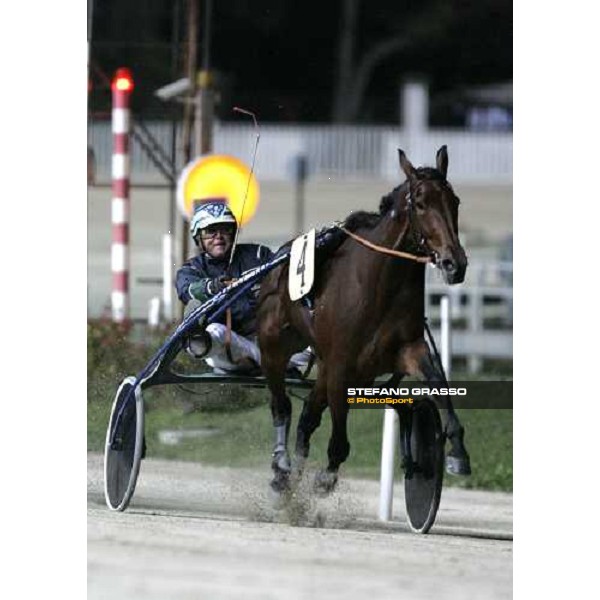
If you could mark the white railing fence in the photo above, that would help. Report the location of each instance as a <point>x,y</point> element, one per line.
<point>480,312</point>
<point>355,152</point>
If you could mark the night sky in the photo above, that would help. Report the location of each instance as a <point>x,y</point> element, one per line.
<point>281,57</point>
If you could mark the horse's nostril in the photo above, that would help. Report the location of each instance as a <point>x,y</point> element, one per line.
<point>448,265</point>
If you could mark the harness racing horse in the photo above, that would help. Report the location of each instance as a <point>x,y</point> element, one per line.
<point>368,318</point>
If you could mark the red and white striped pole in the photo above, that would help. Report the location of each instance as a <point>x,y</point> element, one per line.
<point>122,86</point>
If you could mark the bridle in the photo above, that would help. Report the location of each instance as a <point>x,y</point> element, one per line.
<point>413,227</point>
<point>418,237</point>
<point>423,254</point>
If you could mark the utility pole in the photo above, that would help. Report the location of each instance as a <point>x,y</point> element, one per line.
<point>199,105</point>
<point>205,93</point>
<point>90,20</point>
<point>169,255</point>
<point>188,115</point>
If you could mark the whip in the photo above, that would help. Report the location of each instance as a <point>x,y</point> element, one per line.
<point>237,231</point>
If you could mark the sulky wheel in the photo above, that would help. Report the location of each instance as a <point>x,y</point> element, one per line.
<point>124,446</point>
<point>423,487</point>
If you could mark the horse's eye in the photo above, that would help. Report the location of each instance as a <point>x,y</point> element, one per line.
<point>420,205</point>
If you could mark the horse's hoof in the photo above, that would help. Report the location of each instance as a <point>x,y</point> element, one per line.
<point>280,483</point>
<point>281,462</point>
<point>458,465</point>
<point>325,482</point>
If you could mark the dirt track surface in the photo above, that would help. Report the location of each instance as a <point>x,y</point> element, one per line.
<point>198,532</point>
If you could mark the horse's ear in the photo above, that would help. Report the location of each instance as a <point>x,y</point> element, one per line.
<point>406,166</point>
<point>441,160</point>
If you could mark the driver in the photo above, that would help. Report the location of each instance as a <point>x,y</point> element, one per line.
<point>213,228</point>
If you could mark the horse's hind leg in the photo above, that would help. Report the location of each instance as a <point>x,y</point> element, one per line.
<point>310,419</point>
<point>281,411</point>
<point>416,359</point>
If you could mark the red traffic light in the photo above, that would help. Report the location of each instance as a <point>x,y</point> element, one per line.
<point>122,81</point>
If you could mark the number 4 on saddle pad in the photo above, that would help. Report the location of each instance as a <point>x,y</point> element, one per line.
<point>302,265</point>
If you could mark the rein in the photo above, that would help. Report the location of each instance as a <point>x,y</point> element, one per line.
<point>382,249</point>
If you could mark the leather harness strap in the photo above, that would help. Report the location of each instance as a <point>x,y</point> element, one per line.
<point>228,329</point>
<point>309,366</point>
<point>228,336</point>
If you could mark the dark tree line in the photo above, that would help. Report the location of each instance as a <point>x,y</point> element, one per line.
<point>338,60</point>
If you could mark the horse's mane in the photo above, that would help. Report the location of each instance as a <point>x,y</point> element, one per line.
<point>363,219</point>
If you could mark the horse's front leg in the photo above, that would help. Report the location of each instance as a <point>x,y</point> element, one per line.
<point>416,359</point>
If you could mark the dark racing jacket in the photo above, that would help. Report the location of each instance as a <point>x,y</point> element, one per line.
<point>204,267</point>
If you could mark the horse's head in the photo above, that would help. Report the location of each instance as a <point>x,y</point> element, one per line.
<point>433,215</point>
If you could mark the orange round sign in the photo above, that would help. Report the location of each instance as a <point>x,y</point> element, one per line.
<point>218,177</point>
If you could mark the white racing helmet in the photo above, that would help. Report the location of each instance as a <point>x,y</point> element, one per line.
<point>210,213</point>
